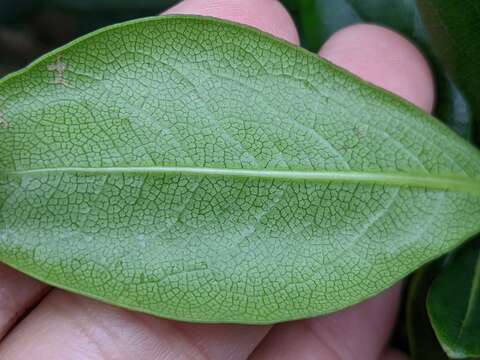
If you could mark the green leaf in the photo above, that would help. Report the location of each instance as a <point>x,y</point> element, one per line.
<point>319,19</point>
<point>423,342</point>
<point>454,29</point>
<point>205,171</point>
<point>454,304</point>
<point>453,108</point>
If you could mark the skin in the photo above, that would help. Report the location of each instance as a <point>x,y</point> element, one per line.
<point>58,325</point>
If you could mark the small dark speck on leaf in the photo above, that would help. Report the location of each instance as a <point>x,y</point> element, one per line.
<point>358,131</point>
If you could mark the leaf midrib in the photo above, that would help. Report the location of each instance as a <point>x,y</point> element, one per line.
<point>437,182</point>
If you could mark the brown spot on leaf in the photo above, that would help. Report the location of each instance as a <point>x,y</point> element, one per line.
<point>59,67</point>
<point>3,121</point>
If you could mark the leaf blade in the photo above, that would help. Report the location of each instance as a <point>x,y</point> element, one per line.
<point>220,248</point>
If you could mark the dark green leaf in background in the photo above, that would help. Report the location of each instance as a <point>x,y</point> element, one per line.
<point>454,30</point>
<point>318,20</point>
<point>453,109</point>
<point>454,303</point>
<point>201,170</point>
<point>423,342</point>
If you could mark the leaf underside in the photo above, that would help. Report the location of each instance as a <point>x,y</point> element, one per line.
<point>201,170</point>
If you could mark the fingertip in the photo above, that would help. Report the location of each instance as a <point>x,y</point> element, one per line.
<point>267,15</point>
<point>384,58</point>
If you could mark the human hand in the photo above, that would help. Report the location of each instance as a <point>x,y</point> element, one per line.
<point>66,326</point>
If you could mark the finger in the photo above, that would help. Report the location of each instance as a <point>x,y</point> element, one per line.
<point>384,58</point>
<point>357,333</point>
<point>18,293</point>
<point>65,324</point>
<point>388,60</point>
<point>267,15</point>
<point>70,324</point>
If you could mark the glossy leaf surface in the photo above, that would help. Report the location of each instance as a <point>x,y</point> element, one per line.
<point>422,340</point>
<point>201,170</point>
<point>454,29</point>
<point>454,304</point>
